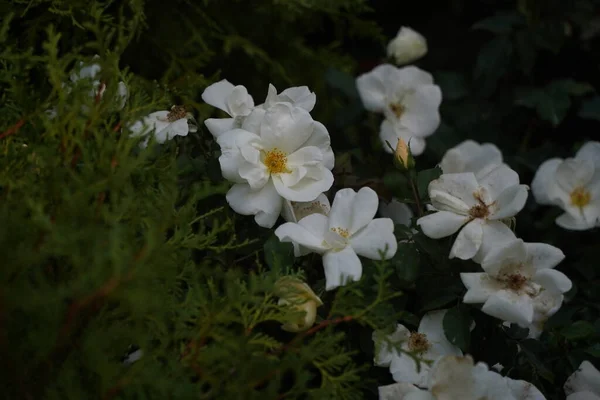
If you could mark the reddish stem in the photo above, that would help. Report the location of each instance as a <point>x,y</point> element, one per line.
<point>13,129</point>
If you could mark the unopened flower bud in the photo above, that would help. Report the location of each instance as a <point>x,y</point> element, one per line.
<point>407,46</point>
<point>298,295</point>
<point>403,157</point>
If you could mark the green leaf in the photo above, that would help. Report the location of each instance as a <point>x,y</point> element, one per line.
<point>578,330</point>
<point>590,109</point>
<point>278,255</point>
<point>439,301</point>
<point>406,262</point>
<point>342,81</point>
<point>453,84</point>
<point>500,23</point>
<point>532,348</point>
<point>457,327</point>
<point>492,62</point>
<point>571,86</point>
<point>423,179</point>
<point>594,350</point>
<point>397,183</point>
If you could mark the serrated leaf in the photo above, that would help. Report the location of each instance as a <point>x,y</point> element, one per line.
<point>590,109</point>
<point>457,327</point>
<point>578,330</point>
<point>278,255</point>
<point>500,23</point>
<point>424,178</point>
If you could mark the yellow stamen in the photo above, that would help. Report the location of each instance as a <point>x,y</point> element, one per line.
<point>418,342</point>
<point>580,197</point>
<point>397,109</point>
<point>276,162</point>
<point>342,232</point>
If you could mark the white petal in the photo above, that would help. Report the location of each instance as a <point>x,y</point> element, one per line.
<point>470,156</point>
<point>239,102</point>
<point>264,204</point>
<point>568,221</point>
<point>510,202</point>
<point>399,391</point>
<point>480,286</point>
<point>586,378</point>
<point>499,179</point>
<point>505,255</point>
<point>509,306</point>
<point>468,241</point>
<point>309,233</point>
<point>285,127</point>
<point>404,369</point>
<point>231,158</point>
<point>441,224</point>
<point>320,138</point>
<point>421,115</point>
<point>123,93</point>
<point>573,173</point>
<point>372,87</point>
<point>340,267</point>
<point>583,396</point>
<point>553,280</point>
<point>180,127</point>
<point>307,189</point>
<point>377,236</point>
<point>432,326</point>
<point>543,255</point>
<point>590,151</point>
<point>523,390</point>
<point>299,96</point>
<point>452,378</point>
<point>217,93</point>
<point>495,233</point>
<point>218,126</point>
<point>459,192</point>
<point>399,212</point>
<point>353,210</point>
<point>252,121</point>
<point>391,133</point>
<point>386,353</point>
<point>543,185</point>
<point>412,77</point>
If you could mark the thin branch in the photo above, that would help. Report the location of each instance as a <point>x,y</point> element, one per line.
<point>13,129</point>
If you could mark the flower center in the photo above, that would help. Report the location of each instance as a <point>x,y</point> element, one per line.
<point>302,210</point>
<point>479,210</point>
<point>176,113</point>
<point>342,232</point>
<point>580,197</point>
<point>276,162</point>
<point>397,108</point>
<point>516,281</point>
<point>418,342</point>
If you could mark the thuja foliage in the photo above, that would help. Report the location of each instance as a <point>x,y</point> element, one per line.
<point>108,248</point>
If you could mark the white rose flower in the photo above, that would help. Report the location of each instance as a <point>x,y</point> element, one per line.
<point>234,100</point>
<point>470,156</point>
<point>279,153</point>
<point>429,342</point>
<point>298,96</point>
<point>455,377</point>
<point>164,125</point>
<point>583,384</point>
<point>516,273</point>
<point>474,205</point>
<point>300,297</point>
<point>408,46</point>
<point>409,100</point>
<point>347,232</point>
<point>294,211</point>
<point>574,185</point>
<point>399,212</point>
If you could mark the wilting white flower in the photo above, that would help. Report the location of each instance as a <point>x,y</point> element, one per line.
<point>516,275</point>
<point>574,185</point>
<point>234,100</point>
<point>429,343</point>
<point>409,100</point>
<point>463,201</point>
<point>583,384</point>
<point>278,154</point>
<point>455,377</point>
<point>408,46</point>
<point>347,232</point>
<point>294,211</point>
<point>164,125</point>
<point>298,295</point>
<point>298,96</point>
<point>133,356</point>
<point>399,212</point>
<point>470,156</point>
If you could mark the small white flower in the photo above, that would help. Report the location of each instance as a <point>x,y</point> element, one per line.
<point>133,357</point>
<point>583,384</point>
<point>298,96</point>
<point>408,46</point>
<point>278,154</point>
<point>476,206</point>
<point>347,232</point>
<point>456,377</point>
<point>429,342</point>
<point>470,156</point>
<point>399,212</point>
<point>294,211</point>
<point>516,273</point>
<point>164,124</point>
<point>234,100</point>
<point>574,185</point>
<point>298,295</point>
<point>409,100</point>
